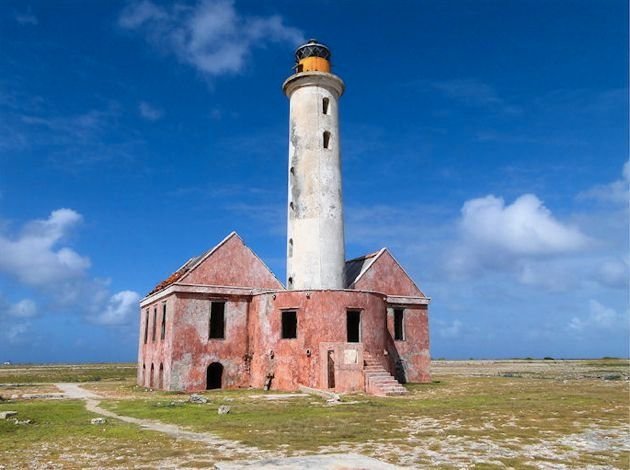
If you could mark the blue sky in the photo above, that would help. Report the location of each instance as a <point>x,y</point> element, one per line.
<point>485,143</point>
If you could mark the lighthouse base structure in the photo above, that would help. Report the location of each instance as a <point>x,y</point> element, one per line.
<point>224,321</point>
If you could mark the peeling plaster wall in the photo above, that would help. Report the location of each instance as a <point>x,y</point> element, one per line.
<point>321,318</point>
<point>233,264</point>
<point>413,351</point>
<point>386,275</point>
<point>193,351</point>
<point>159,351</point>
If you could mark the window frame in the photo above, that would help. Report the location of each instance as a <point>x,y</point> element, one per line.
<point>282,323</point>
<point>212,337</point>
<point>399,313</point>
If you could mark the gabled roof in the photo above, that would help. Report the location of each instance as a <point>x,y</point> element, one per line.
<point>380,272</point>
<point>355,268</point>
<point>234,242</point>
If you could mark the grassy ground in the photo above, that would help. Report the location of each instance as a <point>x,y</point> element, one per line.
<point>28,374</point>
<point>490,414</point>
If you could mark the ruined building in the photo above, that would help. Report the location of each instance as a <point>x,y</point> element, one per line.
<point>223,320</point>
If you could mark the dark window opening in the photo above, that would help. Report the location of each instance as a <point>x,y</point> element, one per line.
<point>290,282</point>
<point>399,330</point>
<point>214,376</point>
<point>290,247</point>
<point>154,324</point>
<point>353,326</point>
<point>292,171</point>
<point>325,103</point>
<point>291,205</point>
<point>331,369</point>
<point>146,327</point>
<point>163,329</point>
<point>289,324</point>
<point>217,320</point>
<point>151,376</point>
<point>326,139</point>
<point>161,377</point>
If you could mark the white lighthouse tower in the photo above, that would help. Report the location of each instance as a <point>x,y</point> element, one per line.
<point>315,236</point>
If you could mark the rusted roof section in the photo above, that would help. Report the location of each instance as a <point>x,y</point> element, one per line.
<point>187,267</point>
<point>176,276</point>
<point>356,267</point>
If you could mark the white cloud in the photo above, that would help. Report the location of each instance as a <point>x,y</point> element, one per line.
<point>36,258</point>
<point>211,35</point>
<point>616,192</point>
<point>23,309</point>
<point>451,330</point>
<point>525,227</point>
<point>120,308</point>
<point>613,273</point>
<point>600,317</point>
<point>149,112</point>
<point>15,332</point>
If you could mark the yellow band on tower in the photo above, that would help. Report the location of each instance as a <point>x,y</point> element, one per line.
<point>314,64</point>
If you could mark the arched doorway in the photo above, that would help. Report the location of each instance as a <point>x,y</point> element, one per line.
<point>161,377</point>
<point>151,376</point>
<point>215,374</point>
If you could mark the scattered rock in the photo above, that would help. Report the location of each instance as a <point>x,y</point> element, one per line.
<point>7,414</point>
<point>18,422</point>
<point>98,421</point>
<point>612,377</point>
<point>194,398</point>
<point>334,399</point>
<point>223,410</point>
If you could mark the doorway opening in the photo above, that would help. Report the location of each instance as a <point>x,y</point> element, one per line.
<point>215,374</point>
<point>331,368</point>
<point>353,326</point>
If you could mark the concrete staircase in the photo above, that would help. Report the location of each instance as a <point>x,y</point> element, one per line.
<point>378,381</point>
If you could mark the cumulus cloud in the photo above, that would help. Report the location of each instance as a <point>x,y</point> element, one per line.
<point>509,237</point>
<point>119,308</point>
<point>39,257</point>
<point>616,192</point>
<point>210,36</point>
<point>525,227</point>
<point>35,258</point>
<point>149,112</point>
<point>599,317</point>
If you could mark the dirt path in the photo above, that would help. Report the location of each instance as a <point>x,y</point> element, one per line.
<point>226,447</point>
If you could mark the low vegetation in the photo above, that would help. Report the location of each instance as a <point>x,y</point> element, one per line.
<point>28,374</point>
<point>491,414</point>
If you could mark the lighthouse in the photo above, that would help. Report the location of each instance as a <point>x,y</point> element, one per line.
<point>315,231</point>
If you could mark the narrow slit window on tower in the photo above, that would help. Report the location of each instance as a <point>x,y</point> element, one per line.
<point>217,320</point>
<point>163,329</point>
<point>290,281</point>
<point>325,103</point>
<point>154,324</point>
<point>146,326</point>
<point>289,324</point>
<point>290,247</point>
<point>326,139</point>
<point>399,325</point>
